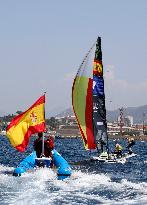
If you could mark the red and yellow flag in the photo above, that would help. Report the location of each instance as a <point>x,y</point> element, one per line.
<point>27,123</point>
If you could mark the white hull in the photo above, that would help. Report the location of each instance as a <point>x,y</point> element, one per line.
<point>112,158</point>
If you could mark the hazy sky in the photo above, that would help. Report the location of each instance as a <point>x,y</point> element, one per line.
<point>42,44</point>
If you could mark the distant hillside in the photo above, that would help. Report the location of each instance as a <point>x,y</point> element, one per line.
<point>66,112</point>
<point>136,112</point>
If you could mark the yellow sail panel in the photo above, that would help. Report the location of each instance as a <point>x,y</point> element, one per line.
<point>82,106</point>
<point>79,103</point>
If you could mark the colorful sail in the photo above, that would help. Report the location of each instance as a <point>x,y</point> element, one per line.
<point>88,98</point>
<point>27,123</point>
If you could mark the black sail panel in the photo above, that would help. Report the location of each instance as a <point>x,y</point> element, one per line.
<point>99,110</point>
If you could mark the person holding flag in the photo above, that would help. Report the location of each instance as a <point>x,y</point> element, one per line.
<point>43,147</point>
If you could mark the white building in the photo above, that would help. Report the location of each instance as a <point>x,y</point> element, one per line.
<point>129,120</point>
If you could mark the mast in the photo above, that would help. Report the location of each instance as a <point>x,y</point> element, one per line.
<point>42,154</point>
<point>121,122</point>
<point>143,119</point>
<point>98,95</point>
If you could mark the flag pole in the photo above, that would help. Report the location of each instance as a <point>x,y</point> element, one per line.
<point>42,155</point>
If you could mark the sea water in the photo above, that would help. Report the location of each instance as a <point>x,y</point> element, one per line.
<point>90,182</point>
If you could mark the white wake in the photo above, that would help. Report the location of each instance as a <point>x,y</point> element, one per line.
<point>42,187</point>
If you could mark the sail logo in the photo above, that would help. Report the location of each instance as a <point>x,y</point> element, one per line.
<point>95,107</point>
<point>98,86</point>
<point>99,123</point>
<point>98,69</point>
<point>33,117</point>
<point>94,84</point>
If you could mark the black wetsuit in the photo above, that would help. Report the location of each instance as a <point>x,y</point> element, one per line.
<point>130,144</point>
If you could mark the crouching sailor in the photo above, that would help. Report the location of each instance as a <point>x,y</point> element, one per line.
<point>118,150</point>
<point>43,150</point>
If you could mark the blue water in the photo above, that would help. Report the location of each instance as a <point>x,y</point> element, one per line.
<point>90,183</point>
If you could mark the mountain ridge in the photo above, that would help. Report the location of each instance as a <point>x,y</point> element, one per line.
<point>112,115</point>
<point>135,112</point>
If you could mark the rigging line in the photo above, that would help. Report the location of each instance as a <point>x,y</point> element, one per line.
<point>108,151</point>
<point>42,154</point>
<point>86,56</point>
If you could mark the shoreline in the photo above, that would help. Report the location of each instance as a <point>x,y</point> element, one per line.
<point>115,137</point>
<point>140,138</point>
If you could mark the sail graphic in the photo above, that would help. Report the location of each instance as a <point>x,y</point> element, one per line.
<point>88,98</point>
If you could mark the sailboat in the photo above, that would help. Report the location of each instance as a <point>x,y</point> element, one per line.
<point>88,101</point>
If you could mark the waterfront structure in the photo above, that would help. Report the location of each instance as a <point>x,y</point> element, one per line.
<point>128,120</point>
<point>69,127</point>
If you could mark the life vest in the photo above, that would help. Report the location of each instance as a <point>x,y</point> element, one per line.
<point>118,147</point>
<point>50,142</point>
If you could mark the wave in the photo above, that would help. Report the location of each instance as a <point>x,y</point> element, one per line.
<point>42,187</point>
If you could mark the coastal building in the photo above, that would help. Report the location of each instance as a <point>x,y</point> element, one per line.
<point>128,120</point>
<point>68,130</point>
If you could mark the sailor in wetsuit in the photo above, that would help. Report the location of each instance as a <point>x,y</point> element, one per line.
<point>48,146</point>
<point>131,143</point>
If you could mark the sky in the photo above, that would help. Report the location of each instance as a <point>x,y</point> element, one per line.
<point>42,44</point>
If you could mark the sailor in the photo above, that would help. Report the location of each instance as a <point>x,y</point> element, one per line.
<point>100,145</point>
<point>48,145</point>
<point>38,145</point>
<point>131,143</point>
<point>118,150</point>
<point>101,139</point>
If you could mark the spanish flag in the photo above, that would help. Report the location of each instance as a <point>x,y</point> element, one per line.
<point>27,123</point>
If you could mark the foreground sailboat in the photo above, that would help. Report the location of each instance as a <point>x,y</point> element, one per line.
<point>88,100</point>
<point>19,131</point>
